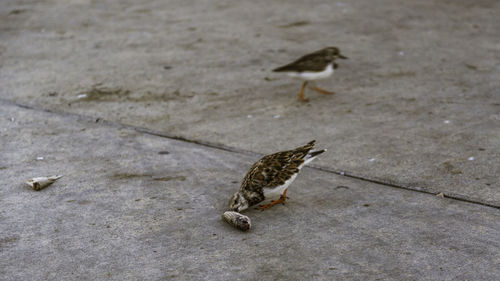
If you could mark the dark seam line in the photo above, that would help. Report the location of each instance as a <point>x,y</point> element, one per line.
<point>234,150</point>
<point>458,198</point>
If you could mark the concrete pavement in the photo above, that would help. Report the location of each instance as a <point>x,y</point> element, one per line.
<point>154,111</point>
<point>133,206</point>
<point>416,100</point>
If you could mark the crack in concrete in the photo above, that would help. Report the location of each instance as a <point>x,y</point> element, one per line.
<point>237,150</point>
<point>451,196</point>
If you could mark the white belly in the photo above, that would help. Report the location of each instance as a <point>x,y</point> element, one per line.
<point>309,75</point>
<point>278,191</point>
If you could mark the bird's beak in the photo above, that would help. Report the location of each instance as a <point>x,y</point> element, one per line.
<point>342,57</point>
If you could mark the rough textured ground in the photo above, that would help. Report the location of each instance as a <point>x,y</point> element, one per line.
<point>417,107</point>
<point>419,95</point>
<point>132,206</point>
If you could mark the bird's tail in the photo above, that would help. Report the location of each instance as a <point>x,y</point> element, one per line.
<point>281,68</point>
<point>310,152</point>
<point>314,153</point>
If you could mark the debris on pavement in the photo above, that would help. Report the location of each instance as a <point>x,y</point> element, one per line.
<point>237,220</point>
<point>440,194</point>
<point>40,183</point>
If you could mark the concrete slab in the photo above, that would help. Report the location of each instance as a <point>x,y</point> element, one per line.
<point>133,206</point>
<point>417,103</point>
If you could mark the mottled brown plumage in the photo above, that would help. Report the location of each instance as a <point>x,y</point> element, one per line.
<point>271,173</point>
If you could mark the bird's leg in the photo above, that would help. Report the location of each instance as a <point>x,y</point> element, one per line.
<point>284,196</point>
<point>301,94</point>
<point>282,200</point>
<point>323,91</point>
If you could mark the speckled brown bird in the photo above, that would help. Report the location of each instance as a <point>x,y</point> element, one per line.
<point>313,66</point>
<point>270,177</point>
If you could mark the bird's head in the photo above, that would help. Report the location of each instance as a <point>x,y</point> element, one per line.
<point>238,202</point>
<point>333,53</point>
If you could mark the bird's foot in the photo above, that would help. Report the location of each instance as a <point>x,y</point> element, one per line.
<point>302,99</point>
<point>322,91</point>
<point>282,200</point>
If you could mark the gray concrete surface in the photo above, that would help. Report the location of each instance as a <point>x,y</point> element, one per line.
<point>417,107</point>
<point>419,95</point>
<point>125,211</point>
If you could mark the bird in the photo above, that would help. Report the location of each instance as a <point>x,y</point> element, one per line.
<point>313,66</point>
<point>270,177</point>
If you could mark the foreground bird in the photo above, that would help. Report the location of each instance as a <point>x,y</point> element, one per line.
<point>271,176</point>
<point>313,66</point>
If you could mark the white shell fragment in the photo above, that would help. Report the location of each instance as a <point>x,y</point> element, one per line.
<point>40,183</point>
<point>237,220</point>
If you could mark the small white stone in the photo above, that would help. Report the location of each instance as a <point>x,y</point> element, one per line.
<point>39,158</point>
<point>12,119</point>
<point>249,116</point>
<point>447,121</point>
<point>371,159</point>
<point>276,116</point>
<point>82,96</point>
<point>471,158</point>
<point>342,173</point>
<point>401,53</point>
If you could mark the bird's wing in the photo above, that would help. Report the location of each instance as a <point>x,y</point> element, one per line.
<point>310,62</point>
<point>275,169</point>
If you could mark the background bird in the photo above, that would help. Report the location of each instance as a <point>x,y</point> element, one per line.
<point>270,177</point>
<point>313,66</point>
